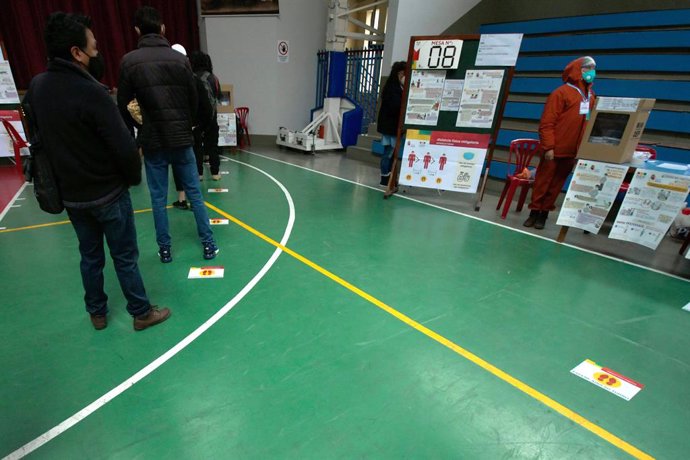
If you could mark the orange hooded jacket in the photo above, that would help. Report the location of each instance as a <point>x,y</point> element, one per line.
<point>561,126</point>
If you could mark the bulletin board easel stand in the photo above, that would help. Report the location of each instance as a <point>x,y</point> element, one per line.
<point>468,52</point>
<point>15,139</point>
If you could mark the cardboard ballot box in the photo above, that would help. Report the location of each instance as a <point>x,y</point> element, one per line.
<point>614,128</point>
<point>226,103</point>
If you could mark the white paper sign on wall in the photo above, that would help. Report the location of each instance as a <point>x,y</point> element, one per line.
<point>283,50</point>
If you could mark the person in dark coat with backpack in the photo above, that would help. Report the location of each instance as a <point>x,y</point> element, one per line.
<point>389,114</point>
<point>206,131</point>
<point>162,81</point>
<point>205,112</point>
<point>95,160</point>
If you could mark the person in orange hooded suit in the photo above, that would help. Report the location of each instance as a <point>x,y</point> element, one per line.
<point>561,128</point>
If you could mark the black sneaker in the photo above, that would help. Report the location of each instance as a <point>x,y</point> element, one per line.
<point>210,250</point>
<point>540,223</point>
<point>165,254</point>
<point>181,204</point>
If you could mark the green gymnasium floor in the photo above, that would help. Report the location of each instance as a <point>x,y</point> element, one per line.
<point>387,329</point>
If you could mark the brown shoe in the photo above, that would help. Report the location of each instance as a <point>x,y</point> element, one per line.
<point>533,215</point>
<point>151,318</point>
<point>99,321</point>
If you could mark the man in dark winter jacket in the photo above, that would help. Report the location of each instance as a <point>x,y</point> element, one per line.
<point>95,160</point>
<point>161,80</point>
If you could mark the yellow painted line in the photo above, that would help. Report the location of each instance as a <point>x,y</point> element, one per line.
<point>60,222</point>
<point>561,409</point>
<point>31,227</point>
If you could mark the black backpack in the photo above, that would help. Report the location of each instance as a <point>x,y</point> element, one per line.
<point>40,170</point>
<point>210,91</point>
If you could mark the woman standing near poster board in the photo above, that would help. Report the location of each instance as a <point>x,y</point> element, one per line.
<point>389,114</point>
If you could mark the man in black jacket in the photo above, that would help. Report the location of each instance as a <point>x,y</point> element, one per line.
<point>161,80</point>
<point>95,161</point>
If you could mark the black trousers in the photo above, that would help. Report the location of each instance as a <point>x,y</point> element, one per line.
<point>206,144</point>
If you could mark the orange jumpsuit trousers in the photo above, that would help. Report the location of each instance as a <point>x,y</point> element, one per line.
<point>551,175</point>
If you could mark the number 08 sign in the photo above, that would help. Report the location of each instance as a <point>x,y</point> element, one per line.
<point>437,54</point>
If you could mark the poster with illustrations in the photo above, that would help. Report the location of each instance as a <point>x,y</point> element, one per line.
<point>424,97</point>
<point>452,92</point>
<point>443,160</point>
<point>591,194</point>
<point>227,130</point>
<point>479,98</point>
<point>8,90</point>
<point>651,204</point>
<point>6,146</point>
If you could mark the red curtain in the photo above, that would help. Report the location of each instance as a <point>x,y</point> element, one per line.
<point>22,23</point>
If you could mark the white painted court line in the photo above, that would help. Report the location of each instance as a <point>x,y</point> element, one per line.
<point>470,216</point>
<point>11,203</point>
<point>130,382</point>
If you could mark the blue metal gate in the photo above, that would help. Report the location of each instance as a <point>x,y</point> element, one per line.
<point>321,77</point>
<point>361,79</point>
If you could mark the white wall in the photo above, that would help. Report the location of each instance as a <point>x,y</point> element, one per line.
<point>243,50</point>
<point>414,17</point>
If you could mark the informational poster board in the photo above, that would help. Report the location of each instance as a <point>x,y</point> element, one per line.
<point>452,93</point>
<point>452,107</point>
<point>8,90</point>
<point>479,98</point>
<point>591,194</point>
<point>443,159</point>
<point>424,97</point>
<point>6,148</point>
<point>227,129</point>
<point>652,202</point>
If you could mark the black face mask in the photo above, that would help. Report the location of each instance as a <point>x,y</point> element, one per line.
<point>96,66</point>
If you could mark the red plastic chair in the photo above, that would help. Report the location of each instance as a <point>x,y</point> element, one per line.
<point>17,142</point>
<point>652,156</point>
<point>523,150</point>
<point>242,115</point>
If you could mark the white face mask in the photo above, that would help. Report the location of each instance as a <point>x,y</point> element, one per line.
<point>402,80</point>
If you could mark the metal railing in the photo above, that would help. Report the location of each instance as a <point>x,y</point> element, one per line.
<point>361,79</point>
<point>321,77</point>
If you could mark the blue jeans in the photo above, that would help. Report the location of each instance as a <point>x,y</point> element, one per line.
<point>387,160</point>
<point>388,143</point>
<point>184,166</point>
<point>115,221</point>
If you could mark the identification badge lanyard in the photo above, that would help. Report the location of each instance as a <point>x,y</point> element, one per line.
<point>584,105</point>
